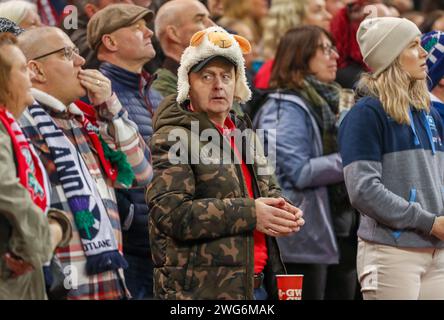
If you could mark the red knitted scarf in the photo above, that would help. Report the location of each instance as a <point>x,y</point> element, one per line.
<point>29,170</point>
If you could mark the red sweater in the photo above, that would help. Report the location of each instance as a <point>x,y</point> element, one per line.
<point>260,246</point>
<point>262,78</point>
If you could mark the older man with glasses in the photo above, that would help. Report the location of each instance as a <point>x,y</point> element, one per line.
<point>87,154</point>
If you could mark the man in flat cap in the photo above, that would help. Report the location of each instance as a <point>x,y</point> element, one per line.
<point>215,206</point>
<point>87,8</point>
<point>122,40</point>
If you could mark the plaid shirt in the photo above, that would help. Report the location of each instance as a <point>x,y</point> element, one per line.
<point>121,134</point>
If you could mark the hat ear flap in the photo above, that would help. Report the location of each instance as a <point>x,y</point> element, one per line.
<point>197,38</point>
<point>244,44</point>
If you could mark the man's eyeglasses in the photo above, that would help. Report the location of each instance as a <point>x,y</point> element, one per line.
<point>328,49</point>
<point>68,52</point>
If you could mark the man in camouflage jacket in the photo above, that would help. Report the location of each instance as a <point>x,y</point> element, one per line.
<point>203,211</point>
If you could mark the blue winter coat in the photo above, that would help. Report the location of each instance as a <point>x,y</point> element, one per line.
<point>140,101</point>
<point>303,173</point>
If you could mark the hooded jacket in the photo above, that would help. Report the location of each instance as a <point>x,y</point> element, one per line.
<point>201,218</point>
<point>393,173</point>
<point>304,172</point>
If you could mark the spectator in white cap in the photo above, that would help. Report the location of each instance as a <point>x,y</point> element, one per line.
<point>23,13</point>
<point>392,153</point>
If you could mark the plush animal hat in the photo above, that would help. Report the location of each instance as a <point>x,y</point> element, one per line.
<point>204,46</point>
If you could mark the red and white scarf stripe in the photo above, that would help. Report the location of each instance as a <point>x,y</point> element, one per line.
<point>30,170</point>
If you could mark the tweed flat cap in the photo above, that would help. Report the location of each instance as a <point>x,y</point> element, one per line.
<point>112,18</point>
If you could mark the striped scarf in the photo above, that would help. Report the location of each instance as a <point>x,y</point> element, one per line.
<point>90,216</point>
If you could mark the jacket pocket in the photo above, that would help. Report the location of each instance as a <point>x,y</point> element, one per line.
<point>412,198</point>
<point>190,268</point>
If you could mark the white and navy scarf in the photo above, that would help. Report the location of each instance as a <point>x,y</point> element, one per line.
<point>90,216</point>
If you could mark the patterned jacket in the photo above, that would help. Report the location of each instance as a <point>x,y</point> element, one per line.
<point>120,133</point>
<point>201,219</point>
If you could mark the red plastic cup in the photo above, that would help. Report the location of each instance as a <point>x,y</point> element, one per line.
<point>290,286</point>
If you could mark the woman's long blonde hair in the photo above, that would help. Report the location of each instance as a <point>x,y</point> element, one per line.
<point>283,15</point>
<point>241,10</point>
<point>397,92</point>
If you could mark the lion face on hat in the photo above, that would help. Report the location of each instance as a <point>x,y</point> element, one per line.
<point>215,41</point>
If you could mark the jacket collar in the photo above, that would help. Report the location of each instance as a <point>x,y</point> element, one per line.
<point>54,104</point>
<point>171,65</point>
<point>434,98</point>
<point>124,77</point>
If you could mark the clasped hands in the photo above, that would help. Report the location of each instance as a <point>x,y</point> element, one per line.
<point>277,218</point>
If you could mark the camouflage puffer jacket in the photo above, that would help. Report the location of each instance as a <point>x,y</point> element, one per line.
<point>201,219</point>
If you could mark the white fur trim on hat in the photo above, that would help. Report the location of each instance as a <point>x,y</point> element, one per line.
<point>203,48</point>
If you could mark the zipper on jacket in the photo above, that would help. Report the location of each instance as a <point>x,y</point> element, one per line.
<point>249,245</point>
<point>247,238</point>
<point>190,268</point>
<point>272,239</point>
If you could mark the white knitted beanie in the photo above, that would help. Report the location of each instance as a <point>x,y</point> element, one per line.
<point>382,40</point>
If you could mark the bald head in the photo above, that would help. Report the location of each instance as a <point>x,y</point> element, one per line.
<point>38,41</point>
<point>172,13</point>
<point>57,73</point>
<point>174,28</point>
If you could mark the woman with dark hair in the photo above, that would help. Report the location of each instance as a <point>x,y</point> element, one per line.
<point>303,113</point>
<point>29,230</point>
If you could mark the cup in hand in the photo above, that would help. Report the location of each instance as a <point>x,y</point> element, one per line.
<point>290,286</point>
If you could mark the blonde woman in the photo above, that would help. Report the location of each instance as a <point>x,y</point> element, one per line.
<point>391,144</point>
<point>23,13</point>
<point>284,15</point>
<point>287,14</point>
<point>251,12</point>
